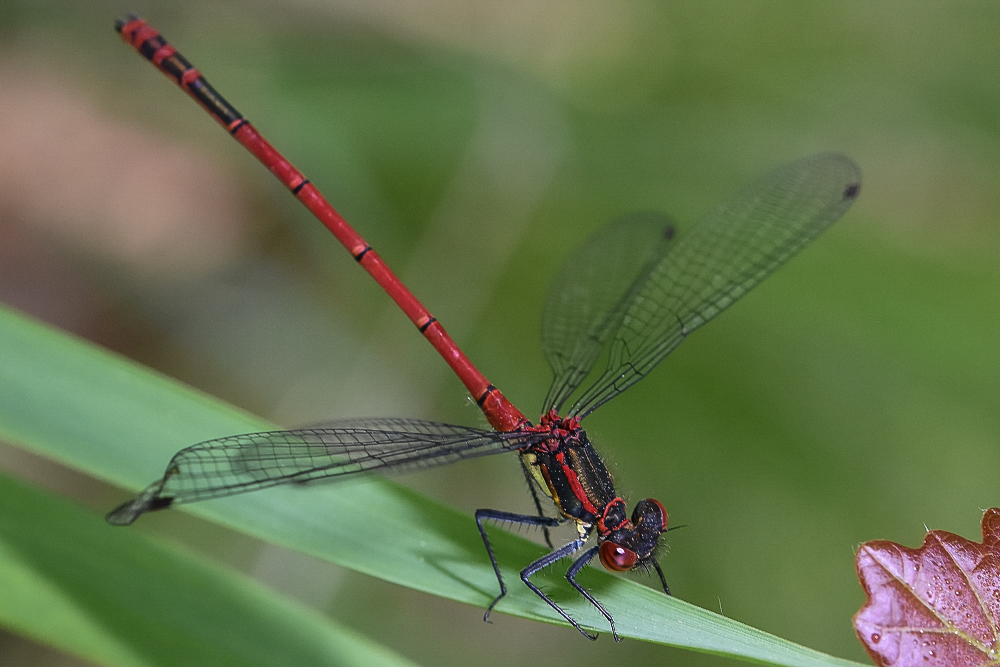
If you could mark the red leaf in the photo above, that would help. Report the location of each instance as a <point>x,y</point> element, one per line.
<point>936,605</point>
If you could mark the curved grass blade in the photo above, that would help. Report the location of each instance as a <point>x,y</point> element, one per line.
<point>95,411</point>
<point>117,597</point>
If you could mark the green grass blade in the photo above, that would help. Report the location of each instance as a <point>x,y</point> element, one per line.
<point>119,598</point>
<point>80,405</point>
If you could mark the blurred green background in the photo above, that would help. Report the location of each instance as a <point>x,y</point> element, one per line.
<point>853,396</point>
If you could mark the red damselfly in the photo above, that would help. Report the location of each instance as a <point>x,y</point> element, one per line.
<point>628,296</point>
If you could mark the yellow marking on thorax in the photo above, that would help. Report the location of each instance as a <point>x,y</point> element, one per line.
<point>530,462</point>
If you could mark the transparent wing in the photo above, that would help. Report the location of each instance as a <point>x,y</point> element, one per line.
<point>241,463</point>
<point>589,294</point>
<point>728,253</point>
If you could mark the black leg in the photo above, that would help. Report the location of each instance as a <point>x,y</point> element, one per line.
<point>551,558</point>
<point>509,517</point>
<point>666,589</point>
<point>578,565</point>
<point>538,504</point>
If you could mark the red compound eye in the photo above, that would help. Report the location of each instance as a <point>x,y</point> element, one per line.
<point>650,512</point>
<point>617,558</point>
<point>663,513</point>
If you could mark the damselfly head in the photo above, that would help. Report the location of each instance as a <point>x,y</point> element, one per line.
<point>633,541</point>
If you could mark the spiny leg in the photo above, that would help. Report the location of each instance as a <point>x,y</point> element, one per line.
<point>509,517</point>
<point>571,573</point>
<point>549,559</point>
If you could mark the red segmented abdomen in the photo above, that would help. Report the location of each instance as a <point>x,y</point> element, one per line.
<point>502,415</point>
